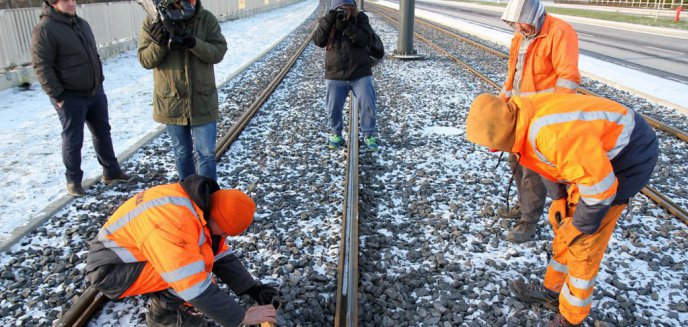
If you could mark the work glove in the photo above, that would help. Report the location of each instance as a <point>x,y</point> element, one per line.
<point>341,25</point>
<point>183,41</point>
<point>566,233</point>
<point>158,33</point>
<point>264,294</point>
<point>557,212</point>
<point>331,17</point>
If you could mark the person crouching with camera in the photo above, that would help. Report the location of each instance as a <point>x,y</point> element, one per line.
<point>346,34</point>
<point>181,45</point>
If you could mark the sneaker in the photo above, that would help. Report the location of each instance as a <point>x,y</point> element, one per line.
<point>121,178</point>
<point>560,321</point>
<point>75,189</point>
<point>370,142</point>
<point>336,141</point>
<point>522,232</point>
<point>535,293</point>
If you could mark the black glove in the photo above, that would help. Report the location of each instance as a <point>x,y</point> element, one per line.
<point>183,41</point>
<point>331,17</point>
<point>341,25</point>
<point>264,294</point>
<point>159,35</point>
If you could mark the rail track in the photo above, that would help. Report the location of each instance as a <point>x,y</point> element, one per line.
<point>91,300</point>
<point>651,192</point>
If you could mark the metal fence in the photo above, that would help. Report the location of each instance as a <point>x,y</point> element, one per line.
<point>111,22</point>
<point>653,4</point>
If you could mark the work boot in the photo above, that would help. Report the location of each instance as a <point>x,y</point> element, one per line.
<point>75,189</point>
<point>121,178</point>
<point>511,213</point>
<point>560,321</point>
<point>336,141</point>
<point>523,232</point>
<point>535,293</point>
<point>171,314</point>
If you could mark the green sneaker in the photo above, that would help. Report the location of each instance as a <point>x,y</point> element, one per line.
<point>370,142</point>
<point>336,141</point>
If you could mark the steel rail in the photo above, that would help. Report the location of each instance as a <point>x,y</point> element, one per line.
<point>91,300</point>
<point>652,193</point>
<point>346,313</point>
<point>683,135</point>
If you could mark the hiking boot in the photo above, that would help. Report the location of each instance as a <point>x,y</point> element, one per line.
<point>121,178</point>
<point>162,314</point>
<point>336,141</point>
<point>75,189</point>
<point>560,321</point>
<point>534,293</point>
<point>511,213</point>
<point>522,232</point>
<point>370,142</point>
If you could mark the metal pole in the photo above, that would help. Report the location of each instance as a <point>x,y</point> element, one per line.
<point>405,44</point>
<point>362,6</point>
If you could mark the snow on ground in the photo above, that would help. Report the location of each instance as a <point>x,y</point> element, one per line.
<point>31,169</point>
<point>646,85</point>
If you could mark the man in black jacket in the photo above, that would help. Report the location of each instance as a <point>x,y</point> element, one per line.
<point>67,65</point>
<point>346,34</point>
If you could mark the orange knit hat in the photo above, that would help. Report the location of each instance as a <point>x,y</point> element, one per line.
<point>232,210</point>
<point>492,122</point>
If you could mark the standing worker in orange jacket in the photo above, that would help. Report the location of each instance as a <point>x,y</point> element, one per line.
<point>605,149</point>
<point>543,58</point>
<point>166,241</point>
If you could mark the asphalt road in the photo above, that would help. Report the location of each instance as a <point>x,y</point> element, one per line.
<point>655,54</point>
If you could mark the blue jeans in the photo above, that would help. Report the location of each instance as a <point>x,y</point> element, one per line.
<point>204,143</point>
<point>93,112</point>
<point>364,91</point>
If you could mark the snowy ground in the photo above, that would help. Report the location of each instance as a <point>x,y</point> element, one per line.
<point>432,248</point>
<point>31,170</point>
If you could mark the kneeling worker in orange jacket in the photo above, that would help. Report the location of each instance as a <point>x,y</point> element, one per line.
<point>605,149</point>
<point>166,241</point>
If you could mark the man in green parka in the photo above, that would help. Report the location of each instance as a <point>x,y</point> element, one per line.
<point>181,46</point>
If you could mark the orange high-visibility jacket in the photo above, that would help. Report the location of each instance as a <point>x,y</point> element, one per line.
<point>164,227</point>
<point>550,63</point>
<point>584,140</point>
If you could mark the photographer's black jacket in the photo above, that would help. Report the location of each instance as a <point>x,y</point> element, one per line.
<point>348,59</point>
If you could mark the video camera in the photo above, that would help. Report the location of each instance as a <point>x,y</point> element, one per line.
<point>342,14</point>
<point>174,11</point>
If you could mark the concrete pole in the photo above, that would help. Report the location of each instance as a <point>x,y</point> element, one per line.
<point>361,7</point>
<point>405,43</point>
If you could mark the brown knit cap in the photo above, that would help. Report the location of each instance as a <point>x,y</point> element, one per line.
<point>492,123</point>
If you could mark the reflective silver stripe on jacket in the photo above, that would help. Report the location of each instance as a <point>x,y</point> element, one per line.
<point>626,120</point>
<point>183,272</point>
<point>223,254</point>
<point>201,238</point>
<point>587,192</point>
<point>575,301</point>
<point>195,290</point>
<point>566,83</point>
<point>525,94</point>
<point>124,254</point>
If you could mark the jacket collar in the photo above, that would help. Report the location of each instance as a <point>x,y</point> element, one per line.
<point>199,188</point>
<point>524,116</point>
<point>53,14</point>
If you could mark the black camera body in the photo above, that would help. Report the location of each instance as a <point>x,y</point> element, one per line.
<point>342,14</point>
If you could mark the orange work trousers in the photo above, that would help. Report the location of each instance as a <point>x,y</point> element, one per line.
<point>575,261</point>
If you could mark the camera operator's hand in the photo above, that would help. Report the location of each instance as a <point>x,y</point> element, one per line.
<point>183,41</point>
<point>331,17</point>
<point>341,24</point>
<point>159,35</point>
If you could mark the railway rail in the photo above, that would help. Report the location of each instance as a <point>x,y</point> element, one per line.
<point>91,300</point>
<point>654,194</point>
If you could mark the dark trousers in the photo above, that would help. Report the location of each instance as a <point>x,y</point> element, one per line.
<point>92,111</point>
<point>531,191</point>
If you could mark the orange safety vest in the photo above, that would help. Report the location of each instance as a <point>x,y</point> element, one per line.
<point>550,63</point>
<point>572,139</point>
<point>164,227</point>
